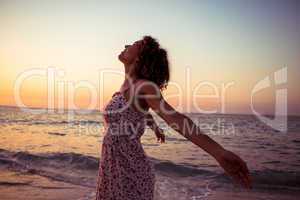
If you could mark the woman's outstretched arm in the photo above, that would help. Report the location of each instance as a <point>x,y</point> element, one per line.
<point>158,131</point>
<point>233,165</point>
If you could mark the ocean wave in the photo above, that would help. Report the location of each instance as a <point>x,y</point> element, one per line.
<point>72,167</point>
<point>270,177</point>
<point>71,159</point>
<point>66,167</point>
<point>170,168</point>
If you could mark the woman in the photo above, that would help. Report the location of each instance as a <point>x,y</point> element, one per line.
<point>125,172</point>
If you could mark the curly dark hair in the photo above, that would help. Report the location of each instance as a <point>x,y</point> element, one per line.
<point>152,63</point>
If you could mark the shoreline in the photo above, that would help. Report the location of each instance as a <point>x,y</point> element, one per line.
<point>37,187</point>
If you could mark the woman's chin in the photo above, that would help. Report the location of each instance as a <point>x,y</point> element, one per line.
<point>121,58</point>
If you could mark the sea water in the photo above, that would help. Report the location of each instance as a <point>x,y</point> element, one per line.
<point>67,148</point>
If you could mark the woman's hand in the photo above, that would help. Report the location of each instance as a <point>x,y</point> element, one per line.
<point>158,131</point>
<point>235,167</point>
<point>160,135</point>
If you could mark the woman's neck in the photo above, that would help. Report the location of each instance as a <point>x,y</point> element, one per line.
<point>129,75</point>
<point>128,81</point>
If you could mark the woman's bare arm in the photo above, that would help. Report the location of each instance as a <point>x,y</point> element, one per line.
<point>231,163</point>
<point>153,125</point>
<point>180,122</point>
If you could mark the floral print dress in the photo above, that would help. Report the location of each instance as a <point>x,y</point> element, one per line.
<point>125,172</point>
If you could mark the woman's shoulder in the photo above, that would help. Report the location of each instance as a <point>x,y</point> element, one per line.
<point>147,87</point>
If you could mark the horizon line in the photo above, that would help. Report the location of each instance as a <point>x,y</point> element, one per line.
<point>98,110</point>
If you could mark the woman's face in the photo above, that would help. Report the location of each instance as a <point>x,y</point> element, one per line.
<point>130,53</point>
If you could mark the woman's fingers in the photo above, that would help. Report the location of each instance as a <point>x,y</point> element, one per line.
<point>236,179</point>
<point>248,179</point>
<point>233,176</point>
<point>246,174</point>
<point>240,177</point>
<point>243,174</point>
<point>237,169</point>
<point>245,180</point>
<point>160,137</point>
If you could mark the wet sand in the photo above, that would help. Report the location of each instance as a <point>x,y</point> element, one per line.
<point>35,187</point>
<point>22,186</point>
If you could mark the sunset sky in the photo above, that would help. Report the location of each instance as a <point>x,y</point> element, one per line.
<point>220,42</point>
